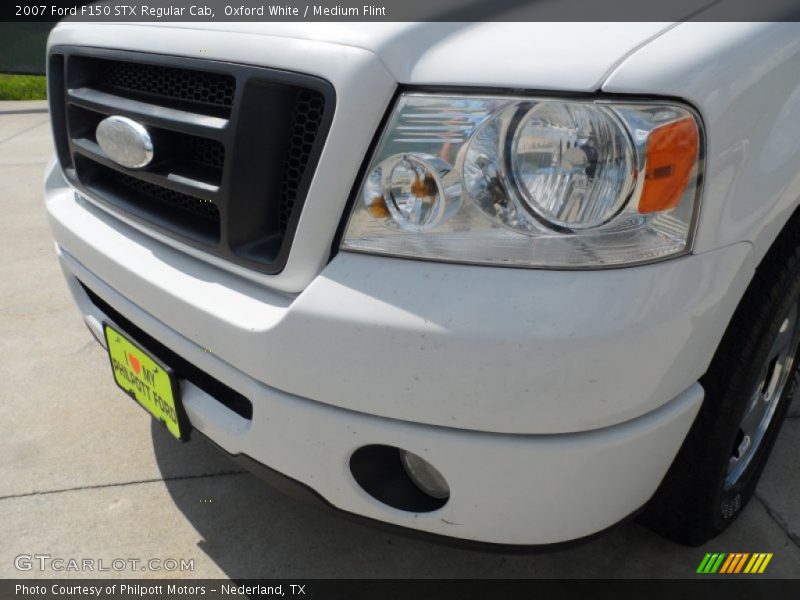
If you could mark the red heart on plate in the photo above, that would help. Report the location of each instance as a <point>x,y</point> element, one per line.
<point>137,366</point>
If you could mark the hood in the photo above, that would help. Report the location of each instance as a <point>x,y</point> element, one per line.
<point>548,56</point>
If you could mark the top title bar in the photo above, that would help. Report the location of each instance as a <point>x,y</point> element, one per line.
<point>400,10</point>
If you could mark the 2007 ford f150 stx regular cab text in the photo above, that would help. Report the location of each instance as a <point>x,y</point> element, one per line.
<point>504,282</point>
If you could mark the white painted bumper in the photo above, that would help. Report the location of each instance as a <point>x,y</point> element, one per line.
<point>552,402</point>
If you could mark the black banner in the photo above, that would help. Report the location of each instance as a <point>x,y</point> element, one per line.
<point>730,588</point>
<point>399,10</point>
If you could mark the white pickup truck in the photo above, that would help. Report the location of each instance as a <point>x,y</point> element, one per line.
<point>508,283</point>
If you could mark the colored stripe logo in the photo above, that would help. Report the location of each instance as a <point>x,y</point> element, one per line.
<point>734,563</point>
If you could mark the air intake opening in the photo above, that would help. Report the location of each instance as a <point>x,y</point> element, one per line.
<point>183,368</point>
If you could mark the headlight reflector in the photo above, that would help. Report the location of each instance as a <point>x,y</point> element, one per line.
<point>530,182</point>
<point>408,191</point>
<point>573,163</point>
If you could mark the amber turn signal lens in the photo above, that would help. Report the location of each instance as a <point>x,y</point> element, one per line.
<point>671,156</point>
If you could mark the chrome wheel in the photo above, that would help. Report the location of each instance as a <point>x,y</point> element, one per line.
<point>765,398</point>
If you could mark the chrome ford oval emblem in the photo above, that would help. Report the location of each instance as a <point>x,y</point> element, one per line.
<point>125,141</point>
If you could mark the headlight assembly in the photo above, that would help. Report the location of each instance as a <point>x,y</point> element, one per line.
<point>524,181</point>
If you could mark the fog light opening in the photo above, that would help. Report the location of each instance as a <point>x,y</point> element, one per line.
<point>399,478</point>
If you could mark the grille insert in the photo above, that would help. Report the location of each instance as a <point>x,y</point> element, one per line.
<point>197,206</point>
<point>167,82</point>
<point>203,151</point>
<point>306,122</point>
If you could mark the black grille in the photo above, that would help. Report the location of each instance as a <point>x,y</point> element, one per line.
<point>197,206</point>
<point>235,147</point>
<point>202,151</point>
<point>306,121</point>
<point>167,82</point>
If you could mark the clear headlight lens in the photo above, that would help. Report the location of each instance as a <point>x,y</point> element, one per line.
<point>573,164</point>
<point>530,182</point>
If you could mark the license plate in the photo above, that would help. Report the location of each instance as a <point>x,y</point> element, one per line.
<point>147,380</point>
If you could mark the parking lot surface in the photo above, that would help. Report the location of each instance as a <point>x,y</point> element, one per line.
<point>85,474</point>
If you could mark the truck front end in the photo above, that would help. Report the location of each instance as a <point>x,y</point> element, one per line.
<point>440,287</point>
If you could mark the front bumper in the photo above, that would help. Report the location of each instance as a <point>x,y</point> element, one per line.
<point>552,402</point>
<point>509,489</point>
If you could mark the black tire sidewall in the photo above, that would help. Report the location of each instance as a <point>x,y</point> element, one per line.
<point>691,504</point>
<point>729,503</point>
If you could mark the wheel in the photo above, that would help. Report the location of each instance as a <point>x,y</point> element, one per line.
<point>748,388</point>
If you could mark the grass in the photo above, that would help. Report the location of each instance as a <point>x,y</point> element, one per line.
<point>22,87</point>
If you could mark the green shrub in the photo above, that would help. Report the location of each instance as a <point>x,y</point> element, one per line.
<point>22,87</point>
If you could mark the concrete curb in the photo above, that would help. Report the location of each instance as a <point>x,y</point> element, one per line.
<point>17,107</point>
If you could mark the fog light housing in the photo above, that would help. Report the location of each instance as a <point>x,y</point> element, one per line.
<point>424,475</point>
<point>398,478</point>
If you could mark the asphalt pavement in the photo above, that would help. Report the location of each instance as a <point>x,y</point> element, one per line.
<point>84,473</point>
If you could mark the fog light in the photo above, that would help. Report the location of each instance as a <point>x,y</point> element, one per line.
<point>424,475</point>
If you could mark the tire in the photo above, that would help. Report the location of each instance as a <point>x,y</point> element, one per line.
<point>710,482</point>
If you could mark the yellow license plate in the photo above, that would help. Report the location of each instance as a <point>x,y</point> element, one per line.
<point>146,380</point>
